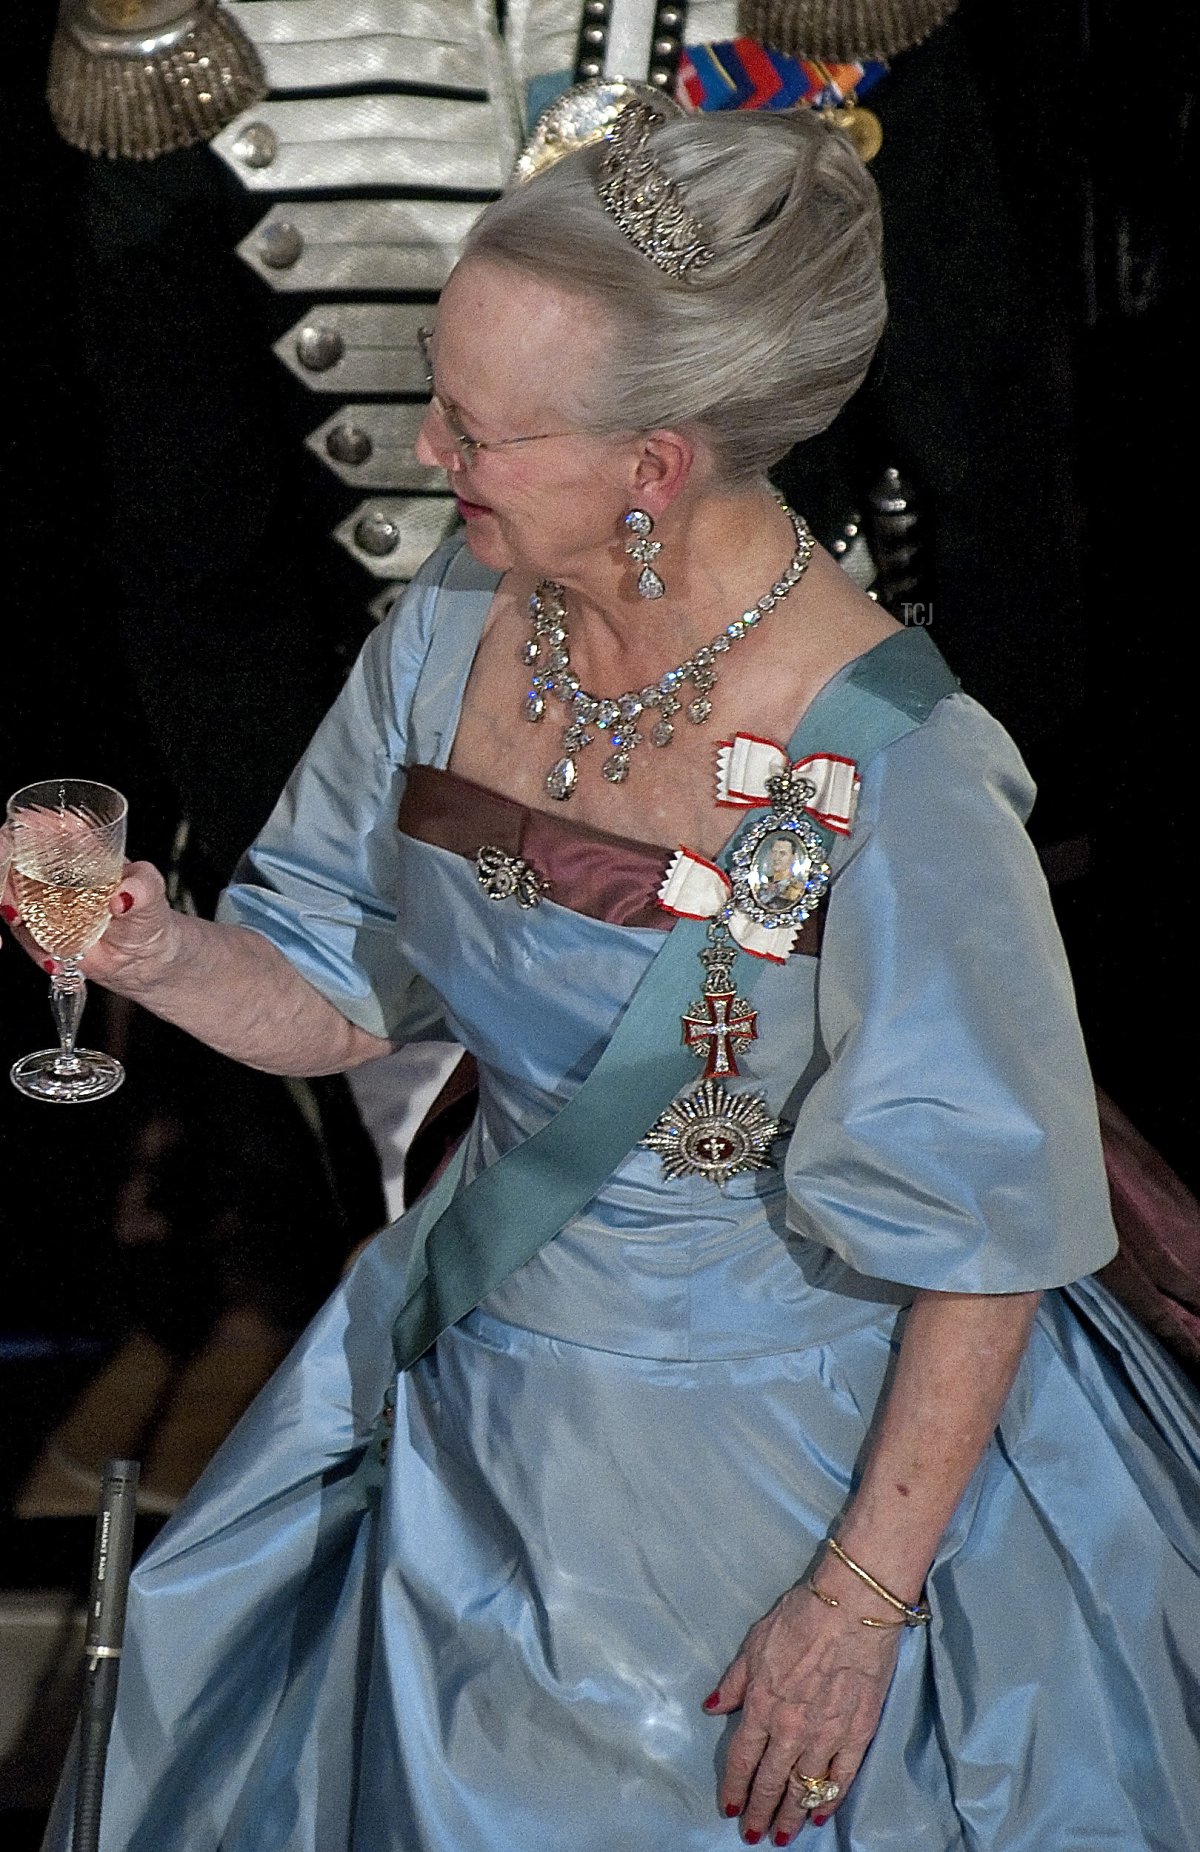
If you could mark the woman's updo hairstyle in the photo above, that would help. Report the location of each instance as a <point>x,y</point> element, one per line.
<point>761,347</point>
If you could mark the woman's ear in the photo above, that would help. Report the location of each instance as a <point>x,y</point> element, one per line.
<point>664,466</point>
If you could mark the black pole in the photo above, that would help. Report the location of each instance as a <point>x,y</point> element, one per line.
<point>102,1651</point>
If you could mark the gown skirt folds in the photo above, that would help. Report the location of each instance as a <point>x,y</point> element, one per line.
<point>596,1481</point>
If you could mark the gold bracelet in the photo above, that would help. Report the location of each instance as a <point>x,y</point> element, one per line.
<point>912,1616</point>
<point>831,1601</point>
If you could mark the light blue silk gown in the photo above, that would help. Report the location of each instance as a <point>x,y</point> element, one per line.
<point>605,1474</point>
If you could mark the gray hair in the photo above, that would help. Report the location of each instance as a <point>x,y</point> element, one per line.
<point>762,347</point>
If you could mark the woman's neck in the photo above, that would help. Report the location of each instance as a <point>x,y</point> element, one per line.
<point>720,553</point>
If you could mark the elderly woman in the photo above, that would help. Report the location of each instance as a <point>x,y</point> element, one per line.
<point>717,1449</point>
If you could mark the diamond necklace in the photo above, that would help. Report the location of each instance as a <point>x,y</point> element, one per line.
<point>548,654</point>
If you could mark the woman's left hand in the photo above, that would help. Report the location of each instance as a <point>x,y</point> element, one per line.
<point>810,1682</point>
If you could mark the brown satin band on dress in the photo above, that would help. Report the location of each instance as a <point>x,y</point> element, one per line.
<point>607,877</point>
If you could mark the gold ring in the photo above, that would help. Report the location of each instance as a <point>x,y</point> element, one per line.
<point>817,1790</point>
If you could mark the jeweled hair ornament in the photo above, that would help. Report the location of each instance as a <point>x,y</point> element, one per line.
<point>645,202</point>
<point>633,189</point>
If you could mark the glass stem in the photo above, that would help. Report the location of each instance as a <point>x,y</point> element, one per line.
<point>68,994</point>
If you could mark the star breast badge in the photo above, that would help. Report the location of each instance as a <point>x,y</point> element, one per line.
<point>713,1134</point>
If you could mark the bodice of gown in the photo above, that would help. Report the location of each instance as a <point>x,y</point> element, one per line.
<point>929,1062</point>
<point>671,1269</point>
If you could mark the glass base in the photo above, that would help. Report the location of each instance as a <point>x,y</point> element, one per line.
<point>90,1076</point>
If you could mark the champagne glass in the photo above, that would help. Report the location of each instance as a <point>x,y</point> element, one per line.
<point>68,855</point>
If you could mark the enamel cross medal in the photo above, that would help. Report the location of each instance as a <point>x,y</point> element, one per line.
<point>722,1024</point>
<point>711,1132</point>
<point>778,877</point>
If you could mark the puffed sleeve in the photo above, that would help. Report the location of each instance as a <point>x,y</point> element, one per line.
<point>952,1141</point>
<point>320,880</point>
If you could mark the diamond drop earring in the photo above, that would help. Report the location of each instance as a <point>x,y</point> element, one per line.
<point>643,551</point>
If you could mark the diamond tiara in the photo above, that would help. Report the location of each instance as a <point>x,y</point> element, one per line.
<point>644,201</point>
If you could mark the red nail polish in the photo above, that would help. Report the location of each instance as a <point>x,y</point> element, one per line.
<point>48,966</point>
<point>10,913</point>
<point>714,1697</point>
<point>819,1819</point>
<point>732,1811</point>
<point>124,901</point>
<point>752,1839</point>
<point>781,1839</point>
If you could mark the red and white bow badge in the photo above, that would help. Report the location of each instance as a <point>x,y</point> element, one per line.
<point>778,872</point>
<point>747,767</point>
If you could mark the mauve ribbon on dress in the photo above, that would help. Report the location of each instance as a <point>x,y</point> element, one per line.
<point>1156,1273</point>
<point>607,877</point>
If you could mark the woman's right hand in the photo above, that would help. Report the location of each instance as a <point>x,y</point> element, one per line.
<point>139,943</point>
<point>226,985</point>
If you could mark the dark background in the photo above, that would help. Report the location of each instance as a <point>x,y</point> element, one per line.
<point>177,618</point>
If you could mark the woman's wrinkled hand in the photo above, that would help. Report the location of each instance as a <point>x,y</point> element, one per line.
<point>139,942</point>
<point>810,1683</point>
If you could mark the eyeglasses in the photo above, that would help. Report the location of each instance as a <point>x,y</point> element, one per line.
<point>469,448</point>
